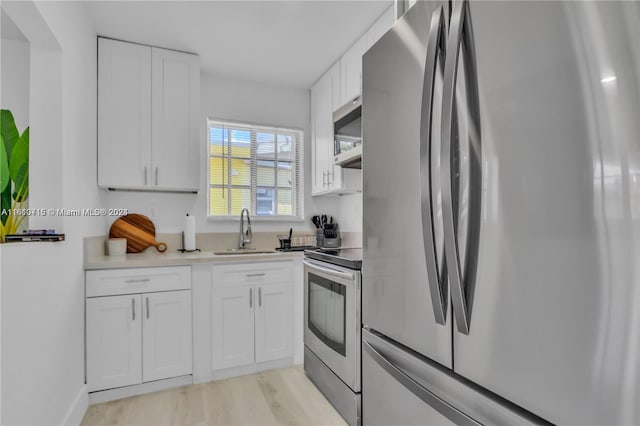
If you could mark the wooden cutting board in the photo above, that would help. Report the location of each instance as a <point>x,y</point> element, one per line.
<point>139,232</point>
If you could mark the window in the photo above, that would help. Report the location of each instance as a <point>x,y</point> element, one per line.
<point>254,167</point>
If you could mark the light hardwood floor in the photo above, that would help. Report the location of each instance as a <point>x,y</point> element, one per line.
<point>276,397</point>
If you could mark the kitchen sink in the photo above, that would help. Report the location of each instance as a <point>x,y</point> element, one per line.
<point>243,251</point>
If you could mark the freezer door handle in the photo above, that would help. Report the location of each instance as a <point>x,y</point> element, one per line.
<point>437,279</point>
<point>417,389</point>
<point>461,33</point>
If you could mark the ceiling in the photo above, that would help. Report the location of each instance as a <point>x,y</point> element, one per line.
<point>285,43</point>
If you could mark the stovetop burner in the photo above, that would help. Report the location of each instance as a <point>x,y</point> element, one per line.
<point>347,257</point>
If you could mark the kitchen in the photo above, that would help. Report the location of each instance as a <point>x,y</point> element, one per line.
<point>589,238</point>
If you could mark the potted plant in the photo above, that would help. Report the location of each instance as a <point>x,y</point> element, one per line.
<point>14,174</point>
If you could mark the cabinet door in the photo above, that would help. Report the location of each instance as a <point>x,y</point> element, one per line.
<point>166,334</point>
<point>124,114</point>
<point>273,322</point>
<point>176,112</point>
<point>321,113</point>
<point>351,71</point>
<point>114,341</point>
<point>232,326</point>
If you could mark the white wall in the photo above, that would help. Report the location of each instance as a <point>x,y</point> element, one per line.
<point>42,294</point>
<point>14,93</point>
<point>350,213</point>
<point>224,98</point>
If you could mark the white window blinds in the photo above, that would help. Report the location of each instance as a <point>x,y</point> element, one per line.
<point>255,167</point>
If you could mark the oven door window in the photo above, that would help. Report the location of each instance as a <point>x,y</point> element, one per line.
<point>327,311</point>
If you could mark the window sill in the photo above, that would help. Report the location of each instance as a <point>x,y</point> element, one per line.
<point>256,219</point>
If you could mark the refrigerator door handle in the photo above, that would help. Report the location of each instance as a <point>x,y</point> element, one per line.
<point>437,279</point>
<point>417,389</point>
<point>461,33</point>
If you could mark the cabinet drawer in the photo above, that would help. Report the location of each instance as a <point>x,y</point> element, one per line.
<point>140,280</point>
<point>252,273</point>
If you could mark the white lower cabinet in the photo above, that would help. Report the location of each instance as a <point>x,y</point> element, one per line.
<point>114,341</point>
<point>273,322</point>
<point>166,335</point>
<point>252,314</point>
<point>140,337</point>
<point>233,326</point>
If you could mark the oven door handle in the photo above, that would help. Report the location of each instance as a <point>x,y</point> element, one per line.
<point>328,270</point>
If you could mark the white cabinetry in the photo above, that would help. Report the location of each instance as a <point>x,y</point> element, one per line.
<point>252,314</point>
<point>166,335</point>
<point>338,86</point>
<point>325,98</point>
<point>114,335</point>
<point>138,326</point>
<point>233,325</point>
<point>273,322</point>
<point>124,114</point>
<point>351,71</point>
<point>148,112</point>
<point>351,61</point>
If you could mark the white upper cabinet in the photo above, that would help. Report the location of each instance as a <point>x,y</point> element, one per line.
<point>351,71</point>
<point>338,86</point>
<point>322,133</point>
<point>148,112</point>
<point>325,98</point>
<point>175,109</point>
<point>124,114</point>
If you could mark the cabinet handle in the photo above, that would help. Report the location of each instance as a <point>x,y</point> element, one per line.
<point>324,175</point>
<point>145,175</point>
<point>147,308</point>
<point>156,176</point>
<point>133,309</point>
<point>143,280</point>
<point>255,275</point>
<point>329,182</point>
<point>251,297</point>
<point>259,296</point>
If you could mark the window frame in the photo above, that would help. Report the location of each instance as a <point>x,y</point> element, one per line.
<point>298,153</point>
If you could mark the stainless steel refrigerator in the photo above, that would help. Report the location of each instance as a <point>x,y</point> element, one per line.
<point>501,173</point>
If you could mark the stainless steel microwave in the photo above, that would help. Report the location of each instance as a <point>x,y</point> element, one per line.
<point>347,131</point>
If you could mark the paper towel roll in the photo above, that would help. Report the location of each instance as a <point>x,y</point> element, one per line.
<point>190,233</point>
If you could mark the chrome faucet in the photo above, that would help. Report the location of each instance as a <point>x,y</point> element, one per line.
<point>245,235</point>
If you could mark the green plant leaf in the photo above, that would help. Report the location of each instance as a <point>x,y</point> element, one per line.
<point>8,130</point>
<point>5,204</point>
<point>19,167</point>
<point>4,165</point>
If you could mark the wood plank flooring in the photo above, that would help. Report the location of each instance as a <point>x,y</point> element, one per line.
<point>276,397</point>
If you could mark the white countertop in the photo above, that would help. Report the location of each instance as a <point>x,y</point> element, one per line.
<point>152,258</point>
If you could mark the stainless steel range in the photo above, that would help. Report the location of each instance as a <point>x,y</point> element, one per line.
<point>332,330</point>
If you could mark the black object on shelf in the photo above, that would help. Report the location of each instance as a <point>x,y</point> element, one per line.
<point>13,238</point>
<point>295,248</point>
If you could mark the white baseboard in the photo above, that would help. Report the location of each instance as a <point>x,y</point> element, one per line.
<point>251,368</point>
<point>127,391</point>
<point>78,408</point>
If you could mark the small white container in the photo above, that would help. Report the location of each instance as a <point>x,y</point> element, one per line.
<point>116,246</point>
